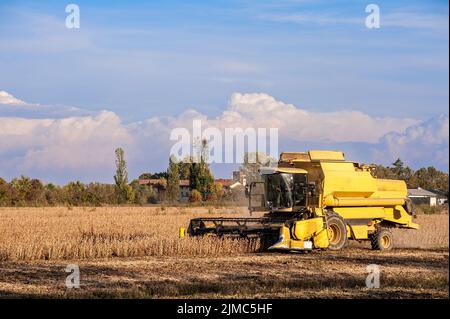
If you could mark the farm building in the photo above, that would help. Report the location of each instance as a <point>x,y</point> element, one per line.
<point>422,196</point>
<point>240,177</point>
<point>442,196</point>
<point>228,184</point>
<point>185,190</point>
<point>160,187</point>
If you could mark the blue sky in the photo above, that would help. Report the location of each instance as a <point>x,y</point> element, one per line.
<point>143,60</point>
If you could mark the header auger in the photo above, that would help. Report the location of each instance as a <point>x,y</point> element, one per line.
<point>317,199</point>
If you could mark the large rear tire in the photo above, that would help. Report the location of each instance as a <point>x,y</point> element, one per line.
<point>382,239</point>
<point>337,231</point>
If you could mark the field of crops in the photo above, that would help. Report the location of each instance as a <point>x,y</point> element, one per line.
<point>128,251</point>
<point>86,233</point>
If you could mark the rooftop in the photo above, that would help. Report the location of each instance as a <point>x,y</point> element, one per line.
<point>420,192</point>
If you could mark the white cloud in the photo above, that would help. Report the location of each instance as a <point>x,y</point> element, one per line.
<point>424,144</point>
<point>10,106</point>
<point>416,20</point>
<point>49,145</point>
<point>262,110</point>
<point>399,18</point>
<point>9,99</point>
<point>84,145</point>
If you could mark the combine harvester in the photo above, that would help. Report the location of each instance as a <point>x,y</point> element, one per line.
<point>317,199</point>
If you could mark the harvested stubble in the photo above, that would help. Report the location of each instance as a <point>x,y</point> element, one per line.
<point>85,233</point>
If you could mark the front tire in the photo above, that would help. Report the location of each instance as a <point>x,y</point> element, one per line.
<point>337,231</point>
<point>382,239</point>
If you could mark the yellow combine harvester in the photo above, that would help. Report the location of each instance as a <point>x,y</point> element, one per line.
<point>317,199</point>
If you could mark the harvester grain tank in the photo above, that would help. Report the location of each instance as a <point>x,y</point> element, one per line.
<point>317,199</point>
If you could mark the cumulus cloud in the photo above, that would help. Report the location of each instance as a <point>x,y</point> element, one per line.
<point>424,144</point>
<point>49,147</point>
<point>262,110</point>
<point>296,126</point>
<point>10,106</point>
<point>9,99</point>
<point>83,145</point>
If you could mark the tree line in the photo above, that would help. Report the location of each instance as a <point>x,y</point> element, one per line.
<point>25,191</point>
<point>196,170</point>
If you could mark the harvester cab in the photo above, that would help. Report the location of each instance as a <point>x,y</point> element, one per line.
<point>317,199</point>
<point>283,190</point>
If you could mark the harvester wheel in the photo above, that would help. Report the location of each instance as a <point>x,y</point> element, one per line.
<point>382,239</point>
<point>337,231</point>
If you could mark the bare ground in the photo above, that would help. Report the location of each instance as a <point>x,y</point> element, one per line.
<point>405,273</point>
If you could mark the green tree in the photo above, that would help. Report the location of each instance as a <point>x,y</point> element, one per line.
<point>5,193</point>
<point>21,189</point>
<point>36,196</point>
<point>432,179</point>
<point>218,190</point>
<point>398,164</point>
<point>101,193</point>
<point>200,176</point>
<point>145,176</point>
<point>75,193</point>
<point>380,171</point>
<point>195,196</point>
<point>124,191</point>
<point>144,194</point>
<point>173,180</point>
<point>121,176</point>
<point>160,175</point>
<point>201,179</point>
<point>400,171</point>
<point>185,167</point>
<point>53,195</point>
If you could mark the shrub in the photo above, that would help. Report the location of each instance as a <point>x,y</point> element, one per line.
<point>429,210</point>
<point>195,196</point>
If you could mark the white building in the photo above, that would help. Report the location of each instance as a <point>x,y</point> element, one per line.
<point>422,196</point>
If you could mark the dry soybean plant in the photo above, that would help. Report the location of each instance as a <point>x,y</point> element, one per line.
<point>85,233</point>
